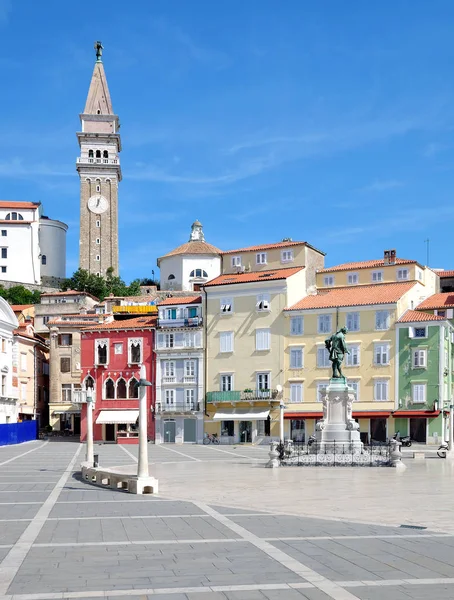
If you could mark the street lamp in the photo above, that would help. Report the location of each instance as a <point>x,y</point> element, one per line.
<point>89,456</point>
<point>142,469</point>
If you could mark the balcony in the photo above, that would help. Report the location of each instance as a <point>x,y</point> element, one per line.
<point>189,379</point>
<point>176,407</point>
<point>247,395</point>
<point>188,322</point>
<point>171,379</point>
<point>105,161</point>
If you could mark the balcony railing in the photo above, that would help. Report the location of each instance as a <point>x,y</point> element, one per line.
<point>176,407</point>
<point>242,396</point>
<point>169,379</point>
<point>189,379</point>
<point>108,161</point>
<point>188,322</point>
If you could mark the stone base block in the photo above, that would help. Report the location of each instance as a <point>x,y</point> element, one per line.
<point>119,478</point>
<point>143,485</point>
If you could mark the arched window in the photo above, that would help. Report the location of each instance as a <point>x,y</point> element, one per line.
<point>171,277</point>
<point>44,259</point>
<point>105,154</point>
<point>133,390</point>
<point>14,216</point>
<point>198,273</point>
<point>90,154</point>
<point>102,353</point>
<point>98,153</point>
<point>109,389</point>
<point>121,388</point>
<point>89,382</point>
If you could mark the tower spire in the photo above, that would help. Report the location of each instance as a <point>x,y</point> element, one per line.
<point>98,99</point>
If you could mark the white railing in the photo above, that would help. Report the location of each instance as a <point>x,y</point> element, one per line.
<point>169,379</point>
<point>189,379</point>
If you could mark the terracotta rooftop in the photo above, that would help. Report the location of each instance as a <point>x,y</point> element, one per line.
<point>70,323</point>
<point>15,204</point>
<point>136,323</point>
<point>231,278</point>
<point>193,247</point>
<point>367,264</point>
<point>141,298</point>
<point>442,274</point>
<point>382,293</point>
<point>70,293</point>
<point>413,316</point>
<point>442,300</point>
<point>19,307</point>
<point>270,247</point>
<point>181,300</point>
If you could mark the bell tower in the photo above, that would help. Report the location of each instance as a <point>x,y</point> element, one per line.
<point>99,171</point>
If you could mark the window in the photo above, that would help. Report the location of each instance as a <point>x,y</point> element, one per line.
<point>377,276</point>
<point>228,428</point>
<point>296,393</point>
<point>101,352</point>
<point>66,393</point>
<point>133,388</point>
<point>169,398</point>
<point>260,258</point>
<point>226,381</point>
<point>4,233</point>
<point>381,353</point>
<point>352,278</point>
<point>169,368</point>
<point>90,154</point>
<point>171,277</point>
<point>135,351</point>
<point>419,274</point>
<point>263,381</point>
<point>263,302</point>
<point>402,274</point>
<point>109,389</point>
<point>23,361</point>
<point>98,223</point>
<point>189,396</point>
<point>352,359</point>
<point>236,261</point>
<point>23,391</point>
<point>14,216</point>
<point>189,368</point>
<point>3,269</point>
<point>354,384</point>
<point>321,391</point>
<point>323,357</point>
<point>226,341</point>
<point>324,323</point>
<point>98,188</point>
<point>121,388</point>
<point>226,305</point>
<point>417,332</point>
<point>169,340</point>
<point>296,358</point>
<point>287,256</point>
<point>198,273</point>
<point>98,241</point>
<point>418,393</point>
<point>419,359</point>
<point>296,326</point>
<point>98,258</point>
<point>65,339</point>
<point>65,365</point>
<point>440,313</point>
<point>328,281</point>
<point>381,320</point>
<point>105,154</point>
<point>98,153</point>
<point>118,348</point>
<point>170,313</point>
<point>262,339</point>
<point>352,321</point>
<point>381,390</point>
<point>4,252</point>
<point>44,259</point>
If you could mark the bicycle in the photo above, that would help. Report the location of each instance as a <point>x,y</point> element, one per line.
<point>211,438</point>
<point>442,450</point>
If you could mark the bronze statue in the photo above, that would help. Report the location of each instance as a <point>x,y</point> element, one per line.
<point>99,48</point>
<point>337,347</point>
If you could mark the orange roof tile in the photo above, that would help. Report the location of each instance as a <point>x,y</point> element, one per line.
<point>18,307</point>
<point>181,300</point>
<point>442,274</point>
<point>70,293</point>
<point>16,204</point>
<point>367,264</point>
<point>66,322</point>
<point>382,293</point>
<point>193,247</point>
<point>442,300</point>
<point>265,247</point>
<point>231,278</point>
<point>413,316</point>
<point>136,323</point>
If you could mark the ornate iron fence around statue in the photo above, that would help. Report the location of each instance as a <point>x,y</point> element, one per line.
<point>334,454</point>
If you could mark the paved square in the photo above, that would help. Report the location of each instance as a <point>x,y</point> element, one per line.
<point>223,527</point>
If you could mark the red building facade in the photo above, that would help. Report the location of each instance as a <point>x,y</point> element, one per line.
<point>111,356</point>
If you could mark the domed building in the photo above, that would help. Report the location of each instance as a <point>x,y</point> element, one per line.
<point>190,265</point>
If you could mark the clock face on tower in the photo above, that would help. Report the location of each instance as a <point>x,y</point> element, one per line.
<point>98,204</point>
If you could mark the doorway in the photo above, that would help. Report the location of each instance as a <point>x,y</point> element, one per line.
<point>298,430</point>
<point>378,430</point>
<point>76,428</point>
<point>189,430</point>
<point>246,431</point>
<point>110,432</point>
<point>169,432</point>
<point>418,430</point>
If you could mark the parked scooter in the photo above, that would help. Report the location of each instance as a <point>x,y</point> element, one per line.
<point>312,439</point>
<point>404,440</point>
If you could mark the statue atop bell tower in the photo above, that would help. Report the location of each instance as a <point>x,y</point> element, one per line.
<point>99,171</point>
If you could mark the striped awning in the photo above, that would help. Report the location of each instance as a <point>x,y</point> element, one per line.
<point>117,416</point>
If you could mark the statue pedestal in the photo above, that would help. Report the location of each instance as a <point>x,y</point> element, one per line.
<point>338,431</point>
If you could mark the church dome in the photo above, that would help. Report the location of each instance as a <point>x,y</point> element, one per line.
<point>195,245</point>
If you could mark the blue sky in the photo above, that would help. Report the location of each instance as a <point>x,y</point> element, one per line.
<point>327,121</point>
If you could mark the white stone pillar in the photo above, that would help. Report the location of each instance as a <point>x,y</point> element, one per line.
<point>89,456</point>
<point>142,469</point>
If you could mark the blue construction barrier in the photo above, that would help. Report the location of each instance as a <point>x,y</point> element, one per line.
<point>16,433</point>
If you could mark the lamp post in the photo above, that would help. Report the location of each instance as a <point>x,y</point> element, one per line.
<point>281,422</point>
<point>142,469</point>
<point>89,456</point>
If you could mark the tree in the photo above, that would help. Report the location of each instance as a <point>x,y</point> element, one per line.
<point>18,294</point>
<point>83,281</point>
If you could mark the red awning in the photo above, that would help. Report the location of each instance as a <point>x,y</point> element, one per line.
<point>303,415</point>
<point>372,414</point>
<point>399,414</point>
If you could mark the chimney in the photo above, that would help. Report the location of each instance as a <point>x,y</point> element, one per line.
<point>389,257</point>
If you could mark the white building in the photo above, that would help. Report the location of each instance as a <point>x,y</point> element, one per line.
<point>31,245</point>
<point>9,399</point>
<point>179,371</point>
<point>190,265</point>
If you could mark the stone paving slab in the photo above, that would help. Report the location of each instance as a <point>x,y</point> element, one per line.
<point>229,510</point>
<point>18,511</point>
<point>10,532</point>
<point>124,509</point>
